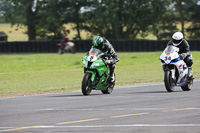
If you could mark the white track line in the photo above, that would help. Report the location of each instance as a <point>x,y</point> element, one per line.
<point>133,125</point>
<point>100,126</point>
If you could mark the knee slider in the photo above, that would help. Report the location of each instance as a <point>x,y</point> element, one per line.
<point>113,66</point>
<point>189,62</point>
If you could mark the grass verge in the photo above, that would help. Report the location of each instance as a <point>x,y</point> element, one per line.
<point>29,74</point>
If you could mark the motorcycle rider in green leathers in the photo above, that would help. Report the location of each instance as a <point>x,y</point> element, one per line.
<point>106,47</point>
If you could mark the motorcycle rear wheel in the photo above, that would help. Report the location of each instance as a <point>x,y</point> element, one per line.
<point>188,86</point>
<point>110,88</point>
<point>60,51</point>
<point>169,83</point>
<point>86,90</point>
<point>73,50</point>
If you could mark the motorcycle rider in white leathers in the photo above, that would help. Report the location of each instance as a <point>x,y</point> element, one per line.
<point>184,50</point>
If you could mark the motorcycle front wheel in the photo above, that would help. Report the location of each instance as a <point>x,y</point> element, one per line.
<point>86,90</point>
<point>169,83</point>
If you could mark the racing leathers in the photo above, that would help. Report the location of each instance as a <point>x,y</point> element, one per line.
<point>108,49</point>
<point>63,42</point>
<point>184,52</point>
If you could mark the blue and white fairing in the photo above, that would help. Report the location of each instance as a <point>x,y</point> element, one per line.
<point>170,56</point>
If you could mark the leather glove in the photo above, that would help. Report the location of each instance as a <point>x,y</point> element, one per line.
<point>183,55</point>
<point>107,62</point>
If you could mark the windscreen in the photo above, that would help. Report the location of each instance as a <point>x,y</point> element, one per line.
<point>170,49</point>
<point>94,51</point>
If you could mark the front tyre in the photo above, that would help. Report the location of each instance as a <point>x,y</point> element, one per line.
<point>86,89</point>
<point>169,82</point>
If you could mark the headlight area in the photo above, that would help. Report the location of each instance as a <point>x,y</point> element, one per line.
<point>162,61</point>
<point>95,65</point>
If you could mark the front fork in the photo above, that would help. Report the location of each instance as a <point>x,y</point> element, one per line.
<point>93,75</point>
<point>173,71</point>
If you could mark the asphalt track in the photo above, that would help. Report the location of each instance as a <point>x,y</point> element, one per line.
<point>145,108</point>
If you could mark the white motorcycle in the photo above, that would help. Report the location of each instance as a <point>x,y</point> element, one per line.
<point>69,47</point>
<point>175,70</point>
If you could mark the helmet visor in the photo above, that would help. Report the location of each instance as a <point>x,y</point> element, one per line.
<point>176,41</point>
<point>98,46</point>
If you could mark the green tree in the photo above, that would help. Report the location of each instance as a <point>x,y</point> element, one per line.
<point>44,19</point>
<point>21,12</point>
<point>55,14</point>
<point>181,7</point>
<point>123,19</point>
<point>165,25</point>
<point>51,19</point>
<point>176,12</point>
<point>194,28</point>
<point>76,16</point>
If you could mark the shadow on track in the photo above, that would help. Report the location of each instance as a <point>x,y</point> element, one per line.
<point>159,92</point>
<point>78,95</point>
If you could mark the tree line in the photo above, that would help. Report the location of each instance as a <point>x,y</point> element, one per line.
<point>112,19</point>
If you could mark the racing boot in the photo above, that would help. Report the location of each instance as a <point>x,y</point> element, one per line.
<point>190,75</point>
<point>112,76</point>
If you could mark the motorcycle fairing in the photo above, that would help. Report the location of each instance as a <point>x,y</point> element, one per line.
<point>170,57</point>
<point>94,64</point>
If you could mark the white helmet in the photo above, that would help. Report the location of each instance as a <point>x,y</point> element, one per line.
<point>177,38</point>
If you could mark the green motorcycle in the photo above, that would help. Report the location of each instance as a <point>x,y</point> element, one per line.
<point>96,73</point>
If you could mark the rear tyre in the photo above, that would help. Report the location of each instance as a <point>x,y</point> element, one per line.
<point>73,50</point>
<point>169,83</point>
<point>60,51</point>
<point>188,86</point>
<point>110,87</point>
<point>86,89</point>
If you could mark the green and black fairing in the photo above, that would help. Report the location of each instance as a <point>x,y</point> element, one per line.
<point>99,71</point>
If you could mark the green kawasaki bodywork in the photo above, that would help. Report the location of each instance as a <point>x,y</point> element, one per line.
<point>102,70</point>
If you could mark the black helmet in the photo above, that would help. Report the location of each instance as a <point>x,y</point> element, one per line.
<point>98,42</point>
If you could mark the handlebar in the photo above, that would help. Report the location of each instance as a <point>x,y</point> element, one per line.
<point>105,55</point>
